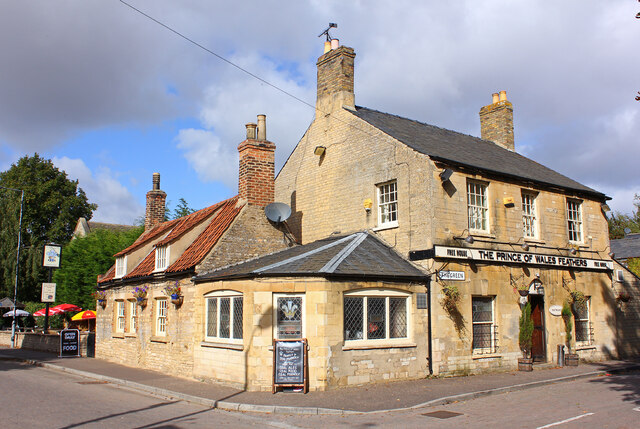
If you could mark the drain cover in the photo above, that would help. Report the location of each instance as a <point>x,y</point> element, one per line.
<point>442,414</point>
<point>92,382</point>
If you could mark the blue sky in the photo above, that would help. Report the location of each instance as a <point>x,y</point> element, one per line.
<point>112,97</point>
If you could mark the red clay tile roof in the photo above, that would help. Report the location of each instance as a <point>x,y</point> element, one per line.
<point>150,235</point>
<point>145,267</point>
<point>109,275</point>
<point>188,222</point>
<point>223,214</point>
<point>208,238</point>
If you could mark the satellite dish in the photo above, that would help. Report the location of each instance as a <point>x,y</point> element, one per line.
<point>627,231</point>
<point>277,212</point>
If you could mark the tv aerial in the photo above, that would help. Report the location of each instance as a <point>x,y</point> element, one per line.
<point>277,212</point>
<point>331,25</point>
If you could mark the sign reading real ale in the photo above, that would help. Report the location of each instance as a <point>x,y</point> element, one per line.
<point>69,343</point>
<point>289,362</point>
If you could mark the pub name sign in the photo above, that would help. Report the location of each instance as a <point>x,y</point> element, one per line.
<point>487,255</point>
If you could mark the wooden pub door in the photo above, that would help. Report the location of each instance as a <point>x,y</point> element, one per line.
<point>538,351</point>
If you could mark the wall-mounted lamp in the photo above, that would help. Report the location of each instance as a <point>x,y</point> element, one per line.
<point>611,254</point>
<point>445,175</point>
<point>319,150</point>
<point>523,245</point>
<point>605,207</point>
<point>573,251</point>
<point>468,239</point>
<point>368,204</point>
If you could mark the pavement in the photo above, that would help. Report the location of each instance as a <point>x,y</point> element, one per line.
<point>363,399</point>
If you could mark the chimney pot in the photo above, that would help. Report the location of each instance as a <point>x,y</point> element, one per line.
<point>335,44</point>
<point>262,127</point>
<point>251,130</point>
<point>495,98</point>
<point>327,46</point>
<point>156,181</point>
<point>156,200</point>
<point>503,95</point>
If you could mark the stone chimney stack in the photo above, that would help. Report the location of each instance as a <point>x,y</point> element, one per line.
<point>496,121</point>
<point>155,204</point>
<point>335,78</point>
<point>257,165</point>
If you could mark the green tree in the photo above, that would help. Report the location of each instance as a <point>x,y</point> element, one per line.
<point>52,205</point>
<point>182,209</point>
<point>526,330</point>
<point>634,265</point>
<point>86,257</point>
<point>618,221</point>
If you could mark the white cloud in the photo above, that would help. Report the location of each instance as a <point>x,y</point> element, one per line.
<point>229,103</point>
<point>115,202</point>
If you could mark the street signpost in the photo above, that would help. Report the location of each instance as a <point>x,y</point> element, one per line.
<point>51,260</point>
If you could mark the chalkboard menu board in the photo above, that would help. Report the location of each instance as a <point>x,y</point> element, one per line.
<point>290,363</point>
<point>69,343</point>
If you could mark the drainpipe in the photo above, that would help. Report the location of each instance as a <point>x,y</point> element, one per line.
<point>429,333</point>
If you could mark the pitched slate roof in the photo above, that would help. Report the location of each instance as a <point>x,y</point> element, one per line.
<point>221,216</point>
<point>627,247</point>
<point>360,255</point>
<point>460,149</point>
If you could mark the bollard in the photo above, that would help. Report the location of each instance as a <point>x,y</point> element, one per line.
<point>560,355</point>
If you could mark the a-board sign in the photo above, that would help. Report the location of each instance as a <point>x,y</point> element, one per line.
<point>69,343</point>
<point>289,362</point>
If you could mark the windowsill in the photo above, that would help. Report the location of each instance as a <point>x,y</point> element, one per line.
<point>534,240</point>
<point>216,345</point>
<point>479,355</point>
<point>130,335</point>
<point>385,226</point>
<point>117,335</point>
<point>483,234</point>
<point>158,339</point>
<point>362,346</point>
<point>585,347</point>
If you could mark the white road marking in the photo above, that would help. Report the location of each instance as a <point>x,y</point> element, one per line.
<point>565,421</point>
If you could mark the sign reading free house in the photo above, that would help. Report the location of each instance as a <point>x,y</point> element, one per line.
<point>487,255</point>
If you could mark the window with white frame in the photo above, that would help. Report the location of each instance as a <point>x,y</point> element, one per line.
<point>120,320</point>
<point>582,322</point>
<point>161,316</point>
<point>574,220</point>
<point>484,339</point>
<point>477,206</point>
<point>388,204</point>
<point>529,218</point>
<point>121,266</point>
<point>376,315</point>
<point>133,316</point>
<point>289,316</point>
<point>162,257</point>
<point>224,316</point>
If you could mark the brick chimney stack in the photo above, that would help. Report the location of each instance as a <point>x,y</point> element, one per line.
<point>335,79</point>
<point>257,165</point>
<point>155,204</point>
<point>496,121</point>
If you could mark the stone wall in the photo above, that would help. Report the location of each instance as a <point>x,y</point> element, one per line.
<point>627,292</point>
<point>47,342</point>
<point>331,362</point>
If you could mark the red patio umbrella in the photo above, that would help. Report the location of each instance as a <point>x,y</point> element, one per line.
<point>64,308</point>
<point>42,312</point>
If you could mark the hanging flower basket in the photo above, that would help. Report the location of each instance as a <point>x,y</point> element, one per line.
<point>623,297</point>
<point>102,303</point>
<point>175,293</point>
<point>578,301</point>
<point>140,294</point>
<point>101,297</point>
<point>523,292</point>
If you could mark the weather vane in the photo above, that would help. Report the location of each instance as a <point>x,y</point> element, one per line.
<point>331,25</point>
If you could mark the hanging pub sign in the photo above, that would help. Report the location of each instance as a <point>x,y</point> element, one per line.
<point>51,256</point>
<point>69,343</point>
<point>488,255</point>
<point>290,364</point>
